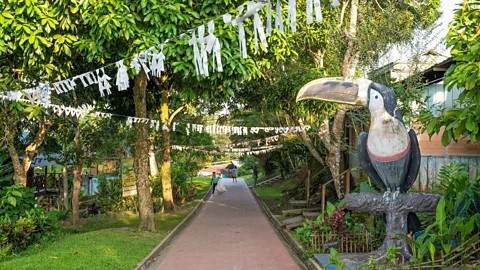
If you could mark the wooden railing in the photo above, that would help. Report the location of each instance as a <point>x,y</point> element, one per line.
<point>324,186</point>
<point>350,242</point>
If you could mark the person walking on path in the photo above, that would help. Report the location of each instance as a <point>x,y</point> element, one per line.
<point>234,176</point>
<point>214,181</point>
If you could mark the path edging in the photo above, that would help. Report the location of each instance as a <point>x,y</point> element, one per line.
<point>294,245</point>
<point>156,251</point>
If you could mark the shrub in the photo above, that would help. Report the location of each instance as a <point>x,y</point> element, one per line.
<point>110,195</point>
<point>21,223</point>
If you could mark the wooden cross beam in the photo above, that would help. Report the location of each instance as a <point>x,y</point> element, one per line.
<point>396,211</point>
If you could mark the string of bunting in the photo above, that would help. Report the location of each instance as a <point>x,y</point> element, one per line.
<point>246,151</point>
<point>268,140</point>
<point>62,110</point>
<point>153,62</point>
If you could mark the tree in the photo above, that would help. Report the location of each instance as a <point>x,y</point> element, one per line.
<point>352,35</point>
<point>147,216</point>
<point>35,45</point>
<point>463,38</point>
<point>129,28</point>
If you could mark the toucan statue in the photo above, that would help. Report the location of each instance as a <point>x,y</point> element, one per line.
<point>389,152</point>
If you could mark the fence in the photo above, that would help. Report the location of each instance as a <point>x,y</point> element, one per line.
<point>430,167</point>
<point>350,242</point>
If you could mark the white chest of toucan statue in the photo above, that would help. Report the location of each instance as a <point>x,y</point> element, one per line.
<point>389,152</point>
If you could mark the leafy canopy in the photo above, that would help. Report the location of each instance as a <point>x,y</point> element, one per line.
<point>464,39</point>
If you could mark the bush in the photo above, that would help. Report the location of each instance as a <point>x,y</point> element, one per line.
<point>182,189</point>
<point>110,195</point>
<point>21,223</point>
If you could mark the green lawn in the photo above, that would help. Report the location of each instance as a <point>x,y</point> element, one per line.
<point>105,241</point>
<point>202,184</point>
<point>271,195</point>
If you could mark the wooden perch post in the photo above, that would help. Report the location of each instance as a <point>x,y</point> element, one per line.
<point>396,211</point>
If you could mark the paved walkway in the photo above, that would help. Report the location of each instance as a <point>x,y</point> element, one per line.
<point>230,232</point>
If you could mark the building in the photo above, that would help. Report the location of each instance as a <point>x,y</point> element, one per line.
<point>434,155</point>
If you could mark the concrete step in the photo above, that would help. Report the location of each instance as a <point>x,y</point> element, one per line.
<point>293,220</point>
<point>294,225</point>
<point>298,203</point>
<point>295,212</point>
<point>311,215</point>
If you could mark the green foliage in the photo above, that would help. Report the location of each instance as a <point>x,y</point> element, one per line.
<point>15,201</point>
<point>36,38</point>
<point>6,169</point>
<point>461,193</point>
<point>392,254</point>
<point>189,160</point>
<point>110,195</point>
<point>365,187</point>
<point>21,224</point>
<point>105,241</point>
<point>334,220</point>
<point>463,38</point>
<point>248,164</point>
<point>457,215</point>
<point>335,259</point>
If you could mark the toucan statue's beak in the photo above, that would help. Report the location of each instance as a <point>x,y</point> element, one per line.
<point>339,90</point>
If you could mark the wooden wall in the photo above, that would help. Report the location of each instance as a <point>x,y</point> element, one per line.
<point>430,167</point>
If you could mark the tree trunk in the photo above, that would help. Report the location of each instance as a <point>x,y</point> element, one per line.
<point>147,216</point>
<point>334,148</point>
<point>351,57</point>
<point>65,188</point>
<point>168,202</point>
<point>21,168</point>
<point>77,172</point>
<point>151,159</point>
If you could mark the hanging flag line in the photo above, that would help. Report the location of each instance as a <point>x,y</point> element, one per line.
<point>153,62</point>
<point>62,110</point>
<point>226,152</point>
<point>230,150</point>
<point>267,140</point>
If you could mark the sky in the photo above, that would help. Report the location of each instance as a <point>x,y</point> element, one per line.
<point>435,40</point>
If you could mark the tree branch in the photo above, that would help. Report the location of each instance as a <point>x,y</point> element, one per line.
<point>308,142</point>
<point>179,109</point>
<point>342,15</point>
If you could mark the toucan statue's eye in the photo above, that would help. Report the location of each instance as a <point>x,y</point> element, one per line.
<point>376,96</point>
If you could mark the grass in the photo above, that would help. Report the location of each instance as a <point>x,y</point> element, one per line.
<point>202,184</point>
<point>105,241</point>
<point>272,195</point>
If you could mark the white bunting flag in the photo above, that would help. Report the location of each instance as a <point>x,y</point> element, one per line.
<point>213,47</point>
<point>257,25</point>
<point>140,61</point>
<point>197,58</point>
<point>292,14</point>
<point>309,12</point>
<point>278,18</point>
<point>241,33</point>
<point>14,95</point>
<point>123,81</point>
<point>318,10</point>
<point>203,52</point>
<point>165,127</point>
<point>157,63</point>
<point>269,19</point>
<point>336,3</point>
<point>91,79</point>
<point>227,18</point>
<point>103,84</point>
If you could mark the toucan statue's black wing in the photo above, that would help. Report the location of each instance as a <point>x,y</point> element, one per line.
<point>414,162</point>
<point>366,162</point>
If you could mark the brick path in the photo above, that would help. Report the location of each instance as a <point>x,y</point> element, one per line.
<point>230,232</point>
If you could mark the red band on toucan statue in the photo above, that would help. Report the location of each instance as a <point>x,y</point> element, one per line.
<point>390,158</point>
